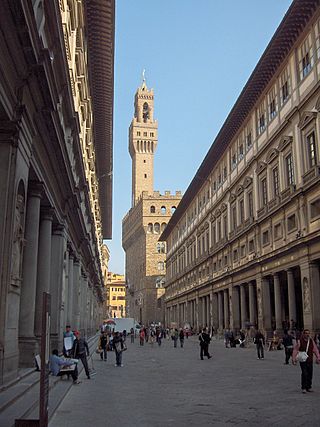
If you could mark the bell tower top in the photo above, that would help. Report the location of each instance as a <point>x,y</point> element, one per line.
<point>143,139</point>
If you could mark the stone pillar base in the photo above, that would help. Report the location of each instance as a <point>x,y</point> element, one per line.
<point>28,348</point>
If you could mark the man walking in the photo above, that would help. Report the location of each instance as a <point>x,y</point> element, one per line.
<point>204,339</point>
<point>259,342</point>
<point>287,341</point>
<point>306,345</point>
<point>80,351</point>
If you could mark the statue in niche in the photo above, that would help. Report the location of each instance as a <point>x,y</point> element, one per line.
<point>259,300</point>
<point>18,240</point>
<point>306,295</point>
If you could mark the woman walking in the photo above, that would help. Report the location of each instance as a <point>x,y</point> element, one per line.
<point>305,345</point>
<point>118,344</point>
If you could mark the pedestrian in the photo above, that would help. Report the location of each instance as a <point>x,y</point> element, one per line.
<point>305,345</point>
<point>110,345</point>
<point>118,344</point>
<point>175,336</point>
<point>152,335</point>
<point>259,342</point>
<point>57,364</point>
<point>159,336</point>
<point>80,350</point>
<point>226,338</point>
<point>142,336</point>
<point>317,340</point>
<point>287,342</point>
<point>132,335</point>
<point>204,339</point>
<point>68,338</point>
<point>181,337</point>
<point>103,345</point>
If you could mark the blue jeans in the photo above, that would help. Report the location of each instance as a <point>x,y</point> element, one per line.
<point>118,357</point>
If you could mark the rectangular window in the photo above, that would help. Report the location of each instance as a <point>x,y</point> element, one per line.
<point>291,223</point>
<point>265,237</point>
<point>311,149</point>
<point>219,230</point>
<point>315,209</point>
<point>305,57</point>
<point>234,216</point>
<point>284,86</point>
<point>213,234</point>
<point>138,133</point>
<point>225,225</point>
<point>272,103</point>
<point>289,169</point>
<point>276,185</point>
<point>151,134</point>
<point>264,192</point>
<point>261,119</point>
<point>243,251</point>
<point>235,255</point>
<point>249,140</point>
<point>234,161</point>
<point>251,246</point>
<point>250,203</point>
<point>241,152</point>
<point>277,231</point>
<point>145,133</point>
<point>241,211</point>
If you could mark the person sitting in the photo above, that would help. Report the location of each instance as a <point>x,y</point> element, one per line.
<point>58,363</point>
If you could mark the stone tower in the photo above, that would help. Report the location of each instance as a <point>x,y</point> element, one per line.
<point>143,138</point>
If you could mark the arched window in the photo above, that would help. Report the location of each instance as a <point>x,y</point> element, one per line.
<point>161,247</point>
<point>156,228</point>
<point>173,208</point>
<point>163,226</point>
<point>163,210</point>
<point>145,113</point>
<point>161,266</point>
<point>150,227</point>
<point>152,209</point>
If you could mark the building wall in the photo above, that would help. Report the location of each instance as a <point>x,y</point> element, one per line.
<point>49,221</point>
<point>246,250</point>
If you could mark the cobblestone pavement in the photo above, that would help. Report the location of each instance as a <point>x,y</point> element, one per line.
<point>166,386</point>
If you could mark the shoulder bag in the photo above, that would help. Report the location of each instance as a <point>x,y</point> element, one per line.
<point>302,356</point>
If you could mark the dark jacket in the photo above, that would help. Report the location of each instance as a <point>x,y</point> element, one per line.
<point>287,340</point>
<point>259,339</point>
<point>204,338</point>
<point>80,347</point>
<point>117,343</point>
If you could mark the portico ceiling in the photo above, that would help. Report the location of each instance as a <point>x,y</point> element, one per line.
<point>100,18</point>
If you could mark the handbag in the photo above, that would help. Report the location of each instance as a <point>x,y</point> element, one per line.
<point>302,356</point>
<point>98,350</point>
<point>124,348</point>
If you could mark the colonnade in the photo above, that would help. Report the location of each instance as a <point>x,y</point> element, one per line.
<point>51,264</point>
<point>268,302</point>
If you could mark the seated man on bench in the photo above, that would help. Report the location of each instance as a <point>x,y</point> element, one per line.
<point>60,366</point>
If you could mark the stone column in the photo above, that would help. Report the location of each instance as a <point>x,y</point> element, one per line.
<point>235,308</point>
<point>220,311</point>
<point>27,341</point>
<point>226,309</point>
<point>252,304</point>
<point>277,301</point>
<point>263,303</point>
<point>57,285</point>
<point>291,296</point>
<point>211,322</point>
<point>266,304</point>
<point>69,304</point>
<point>243,306</point>
<point>197,312</point>
<point>215,311</point>
<point>44,263</point>
<point>315,293</point>
<point>76,293</point>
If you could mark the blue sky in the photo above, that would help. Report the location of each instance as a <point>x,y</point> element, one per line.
<point>198,55</point>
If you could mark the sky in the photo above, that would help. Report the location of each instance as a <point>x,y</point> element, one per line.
<point>198,55</point>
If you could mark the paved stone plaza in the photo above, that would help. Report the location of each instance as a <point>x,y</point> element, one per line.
<point>171,386</point>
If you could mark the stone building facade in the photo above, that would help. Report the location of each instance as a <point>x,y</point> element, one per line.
<point>244,243</point>
<point>55,170</point>
<point>149,215</point>
<point>116,295</point>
